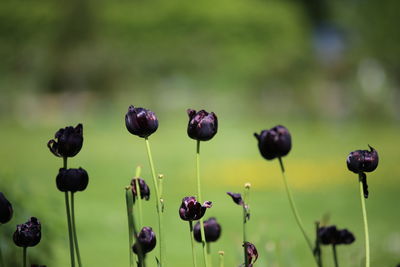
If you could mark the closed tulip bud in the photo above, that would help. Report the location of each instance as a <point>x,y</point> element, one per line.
<point>192,210</point>
<point>146,239</point>
<point>212,230</point>
<point>6,210</point>
<point>72,180</point>
<point>202,125</point>
<point>28,234</point>
<point>141,122</point>
<point>363,160</point>
<point>236,197</point>
<point>143,187</point>
<point>274,143</point>
<point>251,253</point>
<point>68,141</point>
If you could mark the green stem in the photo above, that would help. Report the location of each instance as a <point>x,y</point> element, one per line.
<point>294,209</point>
<point>78,255</point>
<point>245,211</point>
<point>209,258</point>
<point>24,252</point>
<point>221,258</point>
<point>131,226</point>
<point>364,211</point>
<point>192,243</point>
<point>335,256</point>
<point>71,241</point>
<point>158,202</point>
<point>203,236</point>
<point>139,201</point>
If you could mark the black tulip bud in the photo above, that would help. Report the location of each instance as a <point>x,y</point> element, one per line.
<point>146,239</point>
<point>363,160</point>
<point>6,210</point>
<point>72,180</point>
<point>143,187</point>
<point>28,234</point>
<point>141,122</point>
<point>202,125</point>
<point>212,230</point>
<point>251,253</point>
<point>274,143</point>
<point>192,210</point>
<point>236,197</point>
<point>68,143</point>
<point>346,237</point>
<point>330,235</point>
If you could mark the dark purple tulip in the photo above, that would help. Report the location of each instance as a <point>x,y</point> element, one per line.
<point>251,253</point>
<point>330,235</point>
<point>68,143</point>
<point>202,125</point>
<point>140,121</point>
<point>274,143</point>
<point>363,160</point>
<point>6,210</point>
<point>346,237</point>
<point>192,210</point>
<point>28,234</point>
<point>72,180</point>
<point>143,187</point>
<point>146,239</point>
<point>236,197</point>
<point>212,230</point>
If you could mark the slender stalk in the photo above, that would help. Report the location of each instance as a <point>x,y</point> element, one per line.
<point>364,211</point>
<point>71,241</point>
<point>221,258</point>
<point>203,236</point>
<point>335,256</point>
<point>131,226</point>
<point>24,252</point>
<point>78,255</point>
<point>245,212</point>
<point>158,202</point>
<point>317,249</point>
<point>192,243</point>
<point>293,206</point>
<point>209,258</point>
<point>139,196</point>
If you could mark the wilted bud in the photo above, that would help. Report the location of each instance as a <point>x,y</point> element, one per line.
<point>274,143</point>
<point>330,235</point>
<point>146,239</point>
<point>251,253</point>
<point>192,210</point>
<point>6,210</point>
<point>202,125</point>
<point>68,143</point>
<point>212,230</point>
<point>72,180</point>
<point>363,160</point>
<point>28,234</point>
<point>140,121</point>
<point>143,187</point>
<point>236,197</point>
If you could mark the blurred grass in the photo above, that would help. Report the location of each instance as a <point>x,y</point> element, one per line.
<point>316,170</point>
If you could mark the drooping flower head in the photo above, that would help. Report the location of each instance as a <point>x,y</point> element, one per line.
<point>363,160</point>
<point>274,143</point>
<point>140,121</point>
<point>146,239</point>
<point>28,234</point>
<point>6,210</point>
<point>191,210</point>
<point>202,125</point>
<point>212,230</point>
<point>72,180</point>
<point>236,197</point>
<point>143,187</point>
<point>251,253</point>
<point>68,141</point>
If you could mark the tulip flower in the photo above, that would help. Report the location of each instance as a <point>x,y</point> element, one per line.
<point>202,125</point>
<point>6,210</point>
<point>72,180</point>
<point>141,122</point>
<point>146,239</point>
<point>68,141</point>
<point>191,210</point>
<point>212,230</point>
<point>274,143</point>
<point>143,188</point>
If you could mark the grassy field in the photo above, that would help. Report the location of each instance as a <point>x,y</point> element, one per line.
<point>316,170</point>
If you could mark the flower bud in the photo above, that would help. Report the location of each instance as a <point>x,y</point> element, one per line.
<point>251,253</point>
<point>28,234</point>
<point>146,239</point>
<point>68,143</point>
<point>140,121</point>
<point>274,143</point>
<point>202,125</point>
<point>330,235</point>
<point>143,187</point>
<point>212,230</point>
<point>72,180</point>
<point>6,210</point>
<point>236,197</point>
<point>192,210</point>
<point>363,160</point>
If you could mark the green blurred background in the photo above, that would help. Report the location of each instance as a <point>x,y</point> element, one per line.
<point>327,70</point>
